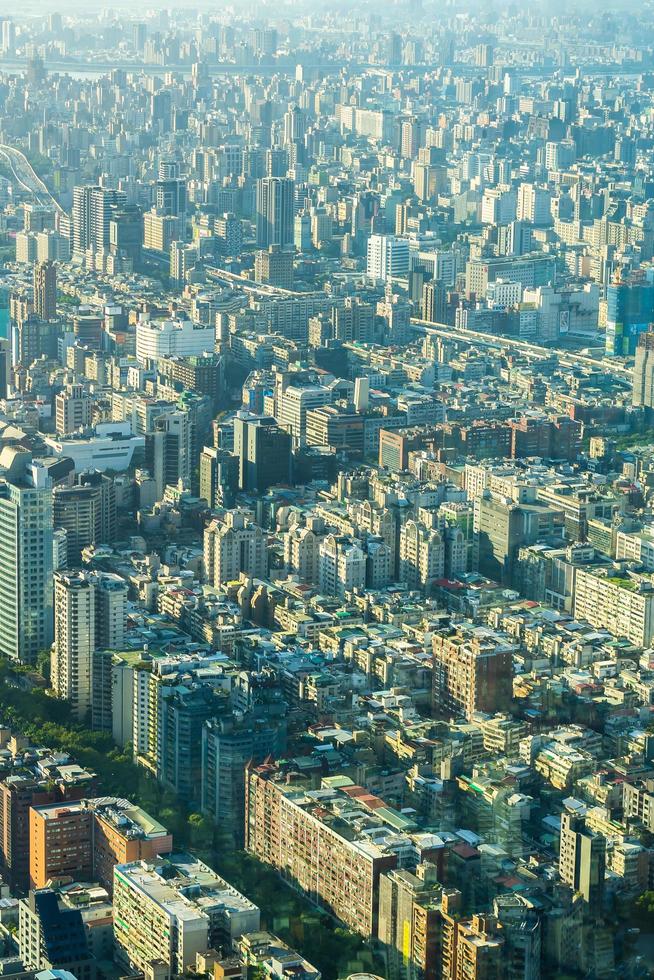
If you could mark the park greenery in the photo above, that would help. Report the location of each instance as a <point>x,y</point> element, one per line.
<point>29,710</point>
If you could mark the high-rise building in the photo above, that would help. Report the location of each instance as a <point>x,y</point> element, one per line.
<point>471,948</point>
<point>629,313</point>
<point>45,290</point>
<point>582,859</point>
<point>388,257</point>
<point>264,452</point>
<point>331,861</point>
<point>434,302</point>
<point>75,640</point>
<point>169,910</point>
<point>643,390</point>
<point>52,937</point>
<point>274,266</point>
<point>86,839</point>
<point>72,409</point>
<point>26,531</point>
<point>293,404</point>
<point>473,671</point>
<point>168,450</point>
<point>275,197</point>
<point>90,615</point>
<point>422,555</point>
<point>341,566</point>
<point>235,546</point>
<point>87,512</point>
<point>92,210</point>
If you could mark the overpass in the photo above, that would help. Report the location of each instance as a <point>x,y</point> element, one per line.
<point>27,178</point>
<point>533,351</point>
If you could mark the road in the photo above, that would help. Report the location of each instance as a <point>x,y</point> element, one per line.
<point>565,358</point>
<point>27,177</point>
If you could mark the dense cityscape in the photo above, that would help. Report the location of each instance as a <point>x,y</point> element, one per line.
<point>326,492</point>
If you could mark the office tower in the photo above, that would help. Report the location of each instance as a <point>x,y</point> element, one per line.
<point>8,36</point>
<point>45,290</point>
<point>295,125</point>
<point>484,55</point>
<point>5,365</point>
<point>219,470</point>
<point>183,711</point>
<point>88,329</point>
<point>643,390</point>
<point>37,217</point>
<point>422,556</point>
<point>582,859</point>
<point>87,512</point>
<point>228,230</point>
<point>160,231</point>
<point>388,257</point>
<point>292,406</point>
<point>168,454</point>
<point>471,673</point>
<point>629,313</point>
<point>274,267</point>
<point>264,452</point>
<point>434,302</point>
<point>139,36</point>
<point>25,558</point>
<point>154,923</point>
<point>170,194</point>
<point>75,640</point>
<point>92,210</point>
<point>499,534</point>
<point>277,162</point>
<point>302,231</point>
<point>534,204</point>
<point>52,937</point>
<point>233,547</point>
<point>274,206</point>
<point>126,233</point>
<point>72,409</point>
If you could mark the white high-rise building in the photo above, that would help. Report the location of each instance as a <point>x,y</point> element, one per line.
<point>534,204</point>
<point>173,337</point>
<point>388,257</point>
<point>75,632</point>
<point>293,405</point>
<point>422,555</point>
<point>341,566</point>
<point>26,551</point>
<point>235,546</point>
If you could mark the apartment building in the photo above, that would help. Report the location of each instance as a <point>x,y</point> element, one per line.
<point>624,605</point>
<point>87,838</point>
<point>174,908</point>
<point>473,670</point>
<point>333,843</point>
